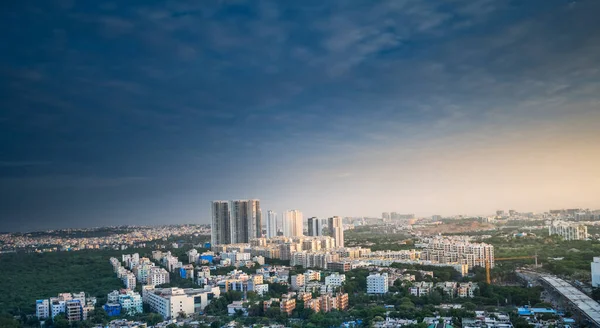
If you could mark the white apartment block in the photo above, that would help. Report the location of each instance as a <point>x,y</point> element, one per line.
<point>129,280</point>
<point>377,283</point>
<point>569,231</point>
<point>130,301</point>
<point>158,276</point>
<point>75,306</point>
<point>335,279</point>
<point>460,252</point>
<point>169,302</point>
<point>42,309</point>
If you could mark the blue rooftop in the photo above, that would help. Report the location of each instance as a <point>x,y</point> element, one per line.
<point>533,311</point>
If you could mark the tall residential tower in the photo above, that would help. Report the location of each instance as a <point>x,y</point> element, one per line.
<point>314,227</point>
<point>336,230</point>
<point>221,223</point>
<point>292,224</point>
<point>271,224</point>
<point>236,221</point>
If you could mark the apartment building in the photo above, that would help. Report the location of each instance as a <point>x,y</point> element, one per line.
<point>377,283</point>
<point>42,309</point>
<point>335,279</point>
<point>287,303</point>
<point>76,306</point>
<point>297,281</point>
<point>422,288</point>
<point>170,302</point>
<point>457,251</point>
<point>158,276</point>
<point>569,231</point>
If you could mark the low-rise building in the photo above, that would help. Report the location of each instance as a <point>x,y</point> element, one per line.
<point>335,279</point>
<point>170,302</point>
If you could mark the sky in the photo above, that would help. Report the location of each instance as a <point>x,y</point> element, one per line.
<point>142,112</point>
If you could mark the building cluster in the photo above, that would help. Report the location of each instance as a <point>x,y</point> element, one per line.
<point>452,288</point>
<point>307,251</point>
<point>325,302</point>
<point>448,250</point>
<point>237,280</point>
<point>124,301</point>
<point>76,239</point>
<point>568,230</point>
<point>240,221</point>
<point>75,306</point>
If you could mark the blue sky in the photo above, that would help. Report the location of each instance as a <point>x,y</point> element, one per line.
<point>143,112</point>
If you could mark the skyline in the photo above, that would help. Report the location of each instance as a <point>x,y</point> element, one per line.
<point>143,113</point>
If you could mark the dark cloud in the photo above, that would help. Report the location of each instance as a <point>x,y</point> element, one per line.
<point>181,92</point>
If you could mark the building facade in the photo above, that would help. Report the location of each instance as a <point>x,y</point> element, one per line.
<point>314,227</point>
<point>569,231</point>
<point>235,221</point>
<point>292,224</point>
<point>336,230</point>
<point>271,224</point>
<point>221,223</point>
<point>377,283</point>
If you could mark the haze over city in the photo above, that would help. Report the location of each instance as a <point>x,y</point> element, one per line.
<point>143,113</point>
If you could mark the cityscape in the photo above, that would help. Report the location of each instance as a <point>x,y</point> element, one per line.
<point>300,164</point>
<point>508,269</point>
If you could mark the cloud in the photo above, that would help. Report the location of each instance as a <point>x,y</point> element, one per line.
<point>23,163</point>
<point>69,182</point>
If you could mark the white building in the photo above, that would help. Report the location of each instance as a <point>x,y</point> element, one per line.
<point>193,256</point>
<point>158,276</point>
<point>170,302</point>
<point>129,280</point>
<point>271,224</point>
<point>335,279</point>
<point>130,301</point>
<point>596,272</point>
<point>42,309</point>
<point>569,231</point>
<point>377,283</point>
<point>459,252</point>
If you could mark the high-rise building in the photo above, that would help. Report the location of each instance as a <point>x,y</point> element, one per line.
<point>314,227</point>
<point>336,230</point>
<point>292,224</point>
<point>236,221</point>
<point>221,223</point>
<point>246,220</point>
<point>271,224</point>
<point>385,216</point>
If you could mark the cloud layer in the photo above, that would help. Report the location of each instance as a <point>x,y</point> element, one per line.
<point>144,112</point>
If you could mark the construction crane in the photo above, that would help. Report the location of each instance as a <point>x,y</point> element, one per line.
<point>488,278</point>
